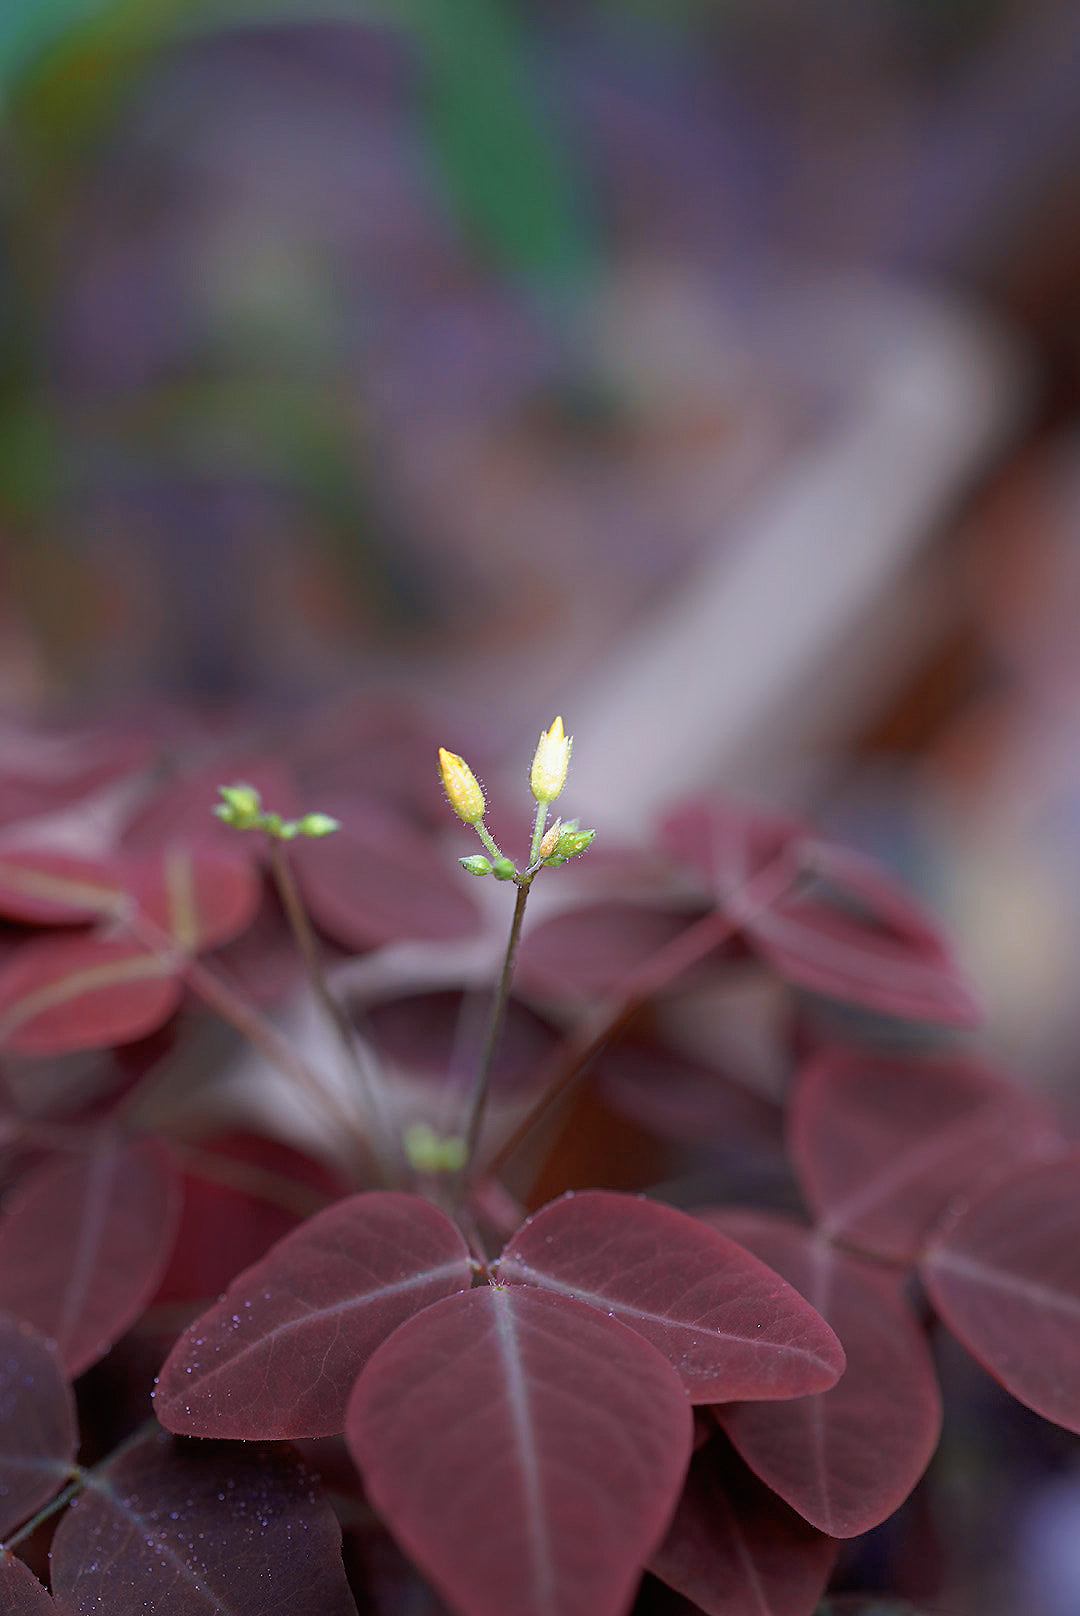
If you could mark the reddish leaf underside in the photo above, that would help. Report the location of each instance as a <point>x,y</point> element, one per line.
<point>277,1356</point>
<point>203,1531</point>
<point>21,1594</point>
<point>736,1549</point>
<point>729,1325</point>
<point>891,961</point>
<point>846,930</point>
<point>199,897</point>
<point>51,888</point>
<point>845,1459</point>
<point>526,1450</point>
<point>38,1429</point>
<point>60,994</point>
<point>83,1245</point>
<point>1005,1277</point>
<point>882,1145</point>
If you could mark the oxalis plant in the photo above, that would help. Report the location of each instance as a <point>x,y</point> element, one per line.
<point>615,1403</point>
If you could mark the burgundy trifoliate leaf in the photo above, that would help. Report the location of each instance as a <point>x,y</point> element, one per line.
<point>84,1243</point>
<point>1005,1277</point>
<point>736,1549</point>
<point>883,1145</point>
<point>525,1450</point>
<point>21,1594</point>
<point>729,1325</point>
<point>842,928</point>
<point>202,1531</point>
<point>847,1458</point>
<point>38,1429</point>
<point>277,1356</point>
<point>60,994</point>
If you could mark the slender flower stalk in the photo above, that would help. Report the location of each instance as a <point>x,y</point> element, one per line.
<point>482,1085</point>
<point>356,1054</point>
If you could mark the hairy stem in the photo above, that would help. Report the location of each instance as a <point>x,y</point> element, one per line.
<point>538,832</point>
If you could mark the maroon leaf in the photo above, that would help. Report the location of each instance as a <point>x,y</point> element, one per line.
<point>590,951</point>
<point>844,929</point>
<point>49,888</point>
<point>685,1100</point>
<point>60,994</point>
<point>854,935</point>
<point>237,1531</point>
<point>525,1450</point>
<point>199,896</point>
<point>377,881</point>
<point>729,1325</point>
<point>21,1594</point>
<point>38,1430</point>
<point>883,1145</point>
<point>243,1193</point>
<point>847,1458</point>
<point>83,1244</point>
<point>1005,1277</point>
<point>727,843</point>
<point>278,1354</point>
<point>736,1549</point>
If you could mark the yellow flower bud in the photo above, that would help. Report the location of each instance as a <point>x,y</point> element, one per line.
<point>550,763</point>
<point>461,787</point>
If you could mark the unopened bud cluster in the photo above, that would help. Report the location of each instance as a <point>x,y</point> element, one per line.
<point>547,777</point>
<point>241,807</point>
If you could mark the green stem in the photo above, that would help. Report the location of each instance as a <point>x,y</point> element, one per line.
<point>479,1095</point>
<point>47,1511</point>
<point>355,1053</point>
<point>538,832</point>
<point>488,840</point>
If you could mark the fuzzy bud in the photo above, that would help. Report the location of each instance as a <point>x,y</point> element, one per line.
<point>550,763</point>
<point>462,787</point>
<point>476,864</point>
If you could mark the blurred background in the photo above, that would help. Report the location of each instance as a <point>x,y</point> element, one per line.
<point>705,370</point>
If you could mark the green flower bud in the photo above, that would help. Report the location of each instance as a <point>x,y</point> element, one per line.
<point>503,869</point>
<point>476,864</point>
<point>570,844</point>
<point>317,825</point>
<point>428,1152</point>
<point>240,806</point>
